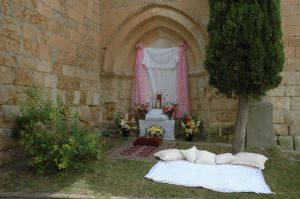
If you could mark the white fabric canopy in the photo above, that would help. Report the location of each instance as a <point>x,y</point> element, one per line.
<point>222,178</point>
<point>161,66</point>
<point>162,58</point>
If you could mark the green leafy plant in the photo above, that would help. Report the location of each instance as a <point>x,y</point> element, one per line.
<point>55,140</point>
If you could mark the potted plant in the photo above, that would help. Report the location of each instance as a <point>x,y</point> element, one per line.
<point>170,110</point>
<point>117,119</point>
<point>191,127</point>
<point>153,131</point>
<point>127,123</point>
<point>141,110</point>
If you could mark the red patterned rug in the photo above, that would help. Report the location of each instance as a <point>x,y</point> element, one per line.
<point>141,153</point>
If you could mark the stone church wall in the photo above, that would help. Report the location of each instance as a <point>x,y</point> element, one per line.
<point>54,44</point>
<point>218,112</point>
<point>286,98</point>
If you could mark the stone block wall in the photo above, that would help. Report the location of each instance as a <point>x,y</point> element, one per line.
<point>118,16</point>
<point>123,16</point>
<point>55,45</point>
<point>217,111</point>
<point>286,98</point>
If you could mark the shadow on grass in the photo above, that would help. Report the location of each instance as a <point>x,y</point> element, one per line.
<point>108,177</point>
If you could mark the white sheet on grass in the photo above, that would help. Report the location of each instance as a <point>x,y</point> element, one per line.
<point>221,178</point>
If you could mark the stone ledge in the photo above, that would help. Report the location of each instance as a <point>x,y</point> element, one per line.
<point>11,155</point>
<point>13,167</point>
<point>7,143</point>
<point>15,195</point>
<point>292,155</point>
<point>286,142</point>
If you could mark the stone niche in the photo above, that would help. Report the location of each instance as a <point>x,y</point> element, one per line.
<point>160,26</point>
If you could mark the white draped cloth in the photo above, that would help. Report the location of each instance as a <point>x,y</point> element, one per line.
<point>161,67</point>
<point>222,178</point>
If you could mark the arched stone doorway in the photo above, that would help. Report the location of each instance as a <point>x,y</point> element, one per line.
<point>158,25</point>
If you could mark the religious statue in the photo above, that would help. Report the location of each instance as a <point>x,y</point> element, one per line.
<point>159,101</point>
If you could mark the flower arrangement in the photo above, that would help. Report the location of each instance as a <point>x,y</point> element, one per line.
<point>170,110</point>
<point>141,110</point>
<point>155,131</point>
<point>127,122</point>
<point>191,125</point>
<point>144,108</point>
<point>117,119</point>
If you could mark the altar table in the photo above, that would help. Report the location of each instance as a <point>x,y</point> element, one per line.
<point>168,125</point>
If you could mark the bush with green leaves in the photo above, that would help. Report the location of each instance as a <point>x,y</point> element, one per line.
<point>55,140</point>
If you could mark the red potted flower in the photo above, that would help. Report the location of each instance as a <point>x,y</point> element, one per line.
<point>170,110</point>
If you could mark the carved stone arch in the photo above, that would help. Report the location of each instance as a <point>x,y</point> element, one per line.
<point>167,29</point>
<point>159,33</point>
<point>143,22</point>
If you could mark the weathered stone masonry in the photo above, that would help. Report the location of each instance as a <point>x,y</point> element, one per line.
<point>84,51</point>
<point>286,98</point>
<point>166,24</point>
<point>54,44</point>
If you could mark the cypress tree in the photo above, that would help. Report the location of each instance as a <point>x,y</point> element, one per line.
<point>245,54</point>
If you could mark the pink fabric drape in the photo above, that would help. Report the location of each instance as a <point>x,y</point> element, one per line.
<point>140,80</point>
<point>182,83</point>
<point>140,75</point>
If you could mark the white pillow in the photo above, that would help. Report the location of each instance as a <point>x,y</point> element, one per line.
<point>190,154</point>
<point>169,155</point>
<point>205,157</point>
<point>225,158</point>
<point>250,159</point>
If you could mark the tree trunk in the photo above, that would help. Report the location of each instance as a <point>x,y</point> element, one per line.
<point>240,124</point>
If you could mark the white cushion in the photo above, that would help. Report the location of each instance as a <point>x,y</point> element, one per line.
<point>169,155</point>
<point>190,154</point>
<point>205,157</point>
<point>250,159</point>
<point>225,158</point>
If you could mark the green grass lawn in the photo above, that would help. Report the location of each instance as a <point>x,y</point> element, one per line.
<point>108,177</point>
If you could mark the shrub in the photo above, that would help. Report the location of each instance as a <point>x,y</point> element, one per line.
<point>55,140</point>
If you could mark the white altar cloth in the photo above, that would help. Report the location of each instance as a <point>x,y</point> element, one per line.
<point>156,114</point>
<point>168,125</point>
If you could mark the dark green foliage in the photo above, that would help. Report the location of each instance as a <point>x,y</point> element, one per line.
<point>53,139</point>
<point>245,53</point>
